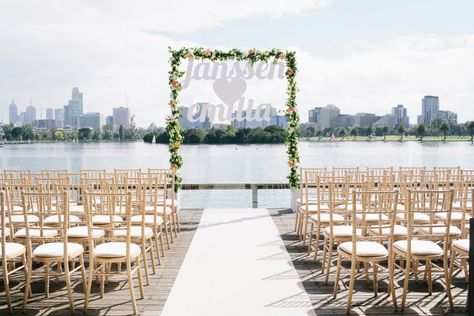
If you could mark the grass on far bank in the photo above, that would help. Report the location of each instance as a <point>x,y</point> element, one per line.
<point>390,138</point>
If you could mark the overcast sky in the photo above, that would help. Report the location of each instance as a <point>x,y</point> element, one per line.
<point>361,55</point>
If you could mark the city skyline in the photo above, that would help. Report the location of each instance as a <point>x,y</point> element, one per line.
<point>363,63</point>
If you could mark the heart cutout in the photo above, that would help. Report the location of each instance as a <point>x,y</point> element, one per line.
<point>229,91</point>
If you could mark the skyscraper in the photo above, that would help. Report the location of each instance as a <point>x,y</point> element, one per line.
<point>30,114</point>
<point>429,109</point>
<point>121,116</point>
<point>400,115</point>
<point>74,108</point>
<point>13,112</point>
<point>328,116</point>
<point>92,120</point>
<point>49,114</point>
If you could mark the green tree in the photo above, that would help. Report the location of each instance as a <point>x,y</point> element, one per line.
<point>354,132</point>
<point>444,128</point>
<point>242,136</point>
<point>96,135</point>
<point>420,131</point>
<point>85,134</point>
<point>370,132</point>
<point>107,132</point>
<point>28,133</point>
<point>17,133</point>
<point>470,127</point>
<point>7,131</point>
<point>310,131</point>
<point>58,135</point>
<point>401,131</point>
<point>343,133</point>
<point>121,136</point>
<point>319,134</point>
<point>194,136</point>
<point>385,132</point>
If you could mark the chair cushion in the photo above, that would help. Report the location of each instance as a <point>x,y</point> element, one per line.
<point>56,249</point>
<point>324,217</point>
<point>312,200</point>
<point>417,217</point>
<point>137,219</point>
<point>116,250</point>
<point>455,216</point>
<point>19,219</point>
<point>440,230</point>
<point>349,207</point>
<point>82,232</point>
<point>373,217</point>
<point>135,232</point>
<point>105,219</point>
<point>419,247</point>
<point>168,202</point>
<point>340,231</point>
<point>462,244</point>
<point>159,209</point>
<point>36,233</point>
<point>398,230</point>
<point>13,250</point>
<point>365,248</point>
<point>54,219</point>
<point>75,208</point>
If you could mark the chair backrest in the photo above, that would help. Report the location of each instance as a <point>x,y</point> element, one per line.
<point>352,173</point>
<point>44,206</point>
<point>372,215</point>
<point>431,203</point>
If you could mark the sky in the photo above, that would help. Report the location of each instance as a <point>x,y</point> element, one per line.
<point>361,55</point>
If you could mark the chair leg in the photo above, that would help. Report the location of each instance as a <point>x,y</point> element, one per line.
<point>145,265</point>
<point>329,262</point>
<point>83,273</point>
<point>162,244</point>
<point>318,233</point>
<point>28,290</point>
<point>305,229</point>
<point>325,249</point>
<point>68,285</point>
<point>428,272</point>
<point>152,256</point>
<point>140,281</point>
<point>406,282</point>
<point>7,287</point>
<point>448,282</point>
<point>89,285</point>
<point>310,242</point>
<point>130,285</point>
<point>296,219</point>
<point>351,287</point>
<point>376,283</point>
<point>391,286</point>
<point>46,279</point>
<point>338,271</point>
<point>102,279</point>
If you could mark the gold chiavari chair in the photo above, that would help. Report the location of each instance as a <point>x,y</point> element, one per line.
<point>426,242</point>
<point>114,249</point>
<point>459,253</point>
<point>48,244</point>
<point>157,214</point>
<point>171,200</point>
<point>352,173</point>
<point>11,253</point>
<point>318,215</point>
<point>365,248</point>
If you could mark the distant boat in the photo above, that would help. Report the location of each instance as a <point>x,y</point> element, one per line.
<point>153,141</point>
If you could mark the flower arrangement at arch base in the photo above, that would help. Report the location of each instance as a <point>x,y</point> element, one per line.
<point>252,56</point>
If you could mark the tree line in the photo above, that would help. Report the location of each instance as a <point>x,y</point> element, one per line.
<point>437,128</point>
<point>9,132</point>
<point>272,134</point>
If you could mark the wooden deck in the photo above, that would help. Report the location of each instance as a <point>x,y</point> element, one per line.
<point>116,300</point>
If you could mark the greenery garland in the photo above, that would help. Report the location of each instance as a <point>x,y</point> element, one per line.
<point>252,56</point>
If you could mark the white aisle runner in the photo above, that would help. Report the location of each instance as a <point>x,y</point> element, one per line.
<point>237,265</point>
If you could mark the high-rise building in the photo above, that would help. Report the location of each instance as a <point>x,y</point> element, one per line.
<point>448,116</point>
<point>429,109</point>
<point>30,114</point>
<point>49,114</point>
<point>365,119</point>
<point>400,115</point>
<point>109,120</point>
<point>74,108</point>
<point>13,112</point>
<point>195,121</point>
<point>314,115</point>
<point>121,117</point>
<point>92,120</point>
<point>59,115</point>
<point>329,115</point>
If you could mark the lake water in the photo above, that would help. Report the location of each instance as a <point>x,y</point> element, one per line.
<point>234,163</point>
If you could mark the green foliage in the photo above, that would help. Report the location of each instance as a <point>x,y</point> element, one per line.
<point>85,134</point>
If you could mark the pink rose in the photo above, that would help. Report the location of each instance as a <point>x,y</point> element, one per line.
<point>208,53</point>
<point>251,52</point>
<point>190,56</point>
<point>289,72</point>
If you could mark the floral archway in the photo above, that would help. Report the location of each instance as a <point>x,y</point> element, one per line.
<point>252,56</point>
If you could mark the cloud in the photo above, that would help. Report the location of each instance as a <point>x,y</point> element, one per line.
<point>104,47</point>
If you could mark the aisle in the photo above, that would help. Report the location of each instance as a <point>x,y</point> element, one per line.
<point>237,265</point>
